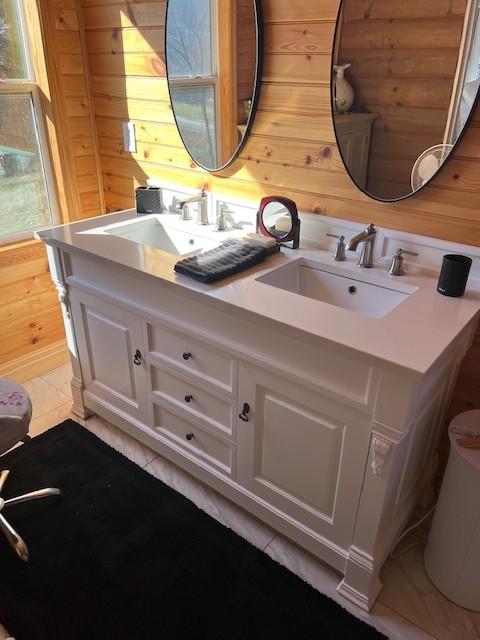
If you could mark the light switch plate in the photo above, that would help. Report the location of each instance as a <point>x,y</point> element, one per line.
<point>129,138</point>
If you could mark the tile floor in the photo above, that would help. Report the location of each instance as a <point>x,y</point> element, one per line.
<point>408,608</point>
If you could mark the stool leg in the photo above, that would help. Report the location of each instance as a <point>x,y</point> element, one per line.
<point>33,495</point>
<point>14,539</point>
<point>3,477</point>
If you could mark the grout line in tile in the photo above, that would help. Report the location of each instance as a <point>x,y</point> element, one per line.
<point>269,543</point>
<point>408,621</point>
<point>52,387</point>
<point>155,457</point>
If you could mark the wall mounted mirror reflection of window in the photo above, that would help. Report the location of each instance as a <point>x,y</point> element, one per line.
<point>414,69</point>
<point>213,52</point>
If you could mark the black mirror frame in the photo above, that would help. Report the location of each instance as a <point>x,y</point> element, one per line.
<point>476,103</point>
<point>294,233</point>
<point>259,43</point>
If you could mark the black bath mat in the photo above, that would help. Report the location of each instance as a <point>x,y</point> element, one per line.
<point>122,556</point>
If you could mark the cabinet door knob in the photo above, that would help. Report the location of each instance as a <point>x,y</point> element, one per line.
<point>137,358</point>
<point>245,411</point>
<point>187,355</point>
<point>188,398</point>
<point>190,436</point>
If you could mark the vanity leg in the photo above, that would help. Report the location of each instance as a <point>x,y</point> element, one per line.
<point>361,583</point>
<point>78,407</point>
<point>57,272</point>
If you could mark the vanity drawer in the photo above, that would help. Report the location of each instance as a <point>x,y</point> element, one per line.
<point>192,440</point>
<point>195,401</point>
<point>192,356</point>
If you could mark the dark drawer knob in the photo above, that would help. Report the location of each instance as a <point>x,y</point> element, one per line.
<point>245,411</point>
<point>137,358</point>
<point>187,356</point>
<point>190,436</point>
<point>188,398</point>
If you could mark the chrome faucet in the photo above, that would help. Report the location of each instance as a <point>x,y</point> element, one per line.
<point>367,239</point>
<point>202,200</point>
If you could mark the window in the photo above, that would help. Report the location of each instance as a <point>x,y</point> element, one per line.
<point>467,80</point>
<point>193,76</point>
<point>26,195</point>
<point>471,70</point>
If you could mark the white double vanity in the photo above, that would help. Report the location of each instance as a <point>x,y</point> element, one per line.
<point>309,392</point>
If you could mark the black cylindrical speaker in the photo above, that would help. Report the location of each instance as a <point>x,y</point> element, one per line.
<point>454,275</point>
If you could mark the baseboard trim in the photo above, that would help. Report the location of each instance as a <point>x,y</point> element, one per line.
<point>37,363</point>
<point>362,601</point>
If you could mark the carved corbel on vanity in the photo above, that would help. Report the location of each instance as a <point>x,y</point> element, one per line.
<point>380,450</point>
<point>62,293</point>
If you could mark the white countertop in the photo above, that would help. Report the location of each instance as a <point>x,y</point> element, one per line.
<point>411,336</point>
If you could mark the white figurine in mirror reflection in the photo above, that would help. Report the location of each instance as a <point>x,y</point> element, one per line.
<point>344,95</point>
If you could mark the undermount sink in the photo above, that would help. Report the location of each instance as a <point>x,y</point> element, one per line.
<point>151,232</point>
<point>355,292</point>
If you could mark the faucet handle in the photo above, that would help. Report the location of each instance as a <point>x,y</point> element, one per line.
<point>221,220</point>
<point>339,255</point>
<point>396,268</point>
<point>174,205</point>
<point>408,253</point>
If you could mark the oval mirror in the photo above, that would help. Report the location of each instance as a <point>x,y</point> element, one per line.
<point>278,218</point>
<point>213,57</point>
<point>405,81</point>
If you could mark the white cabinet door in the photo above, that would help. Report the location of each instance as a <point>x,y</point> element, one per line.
<point>303,453</point>
<point>111,347</point>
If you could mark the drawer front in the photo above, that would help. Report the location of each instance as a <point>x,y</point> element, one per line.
<point>194,357</point>
<point>192,440</point>
<point>195,401</point>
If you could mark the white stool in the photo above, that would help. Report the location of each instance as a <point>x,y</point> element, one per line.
<point>452,554</point>
<point>15,415</point>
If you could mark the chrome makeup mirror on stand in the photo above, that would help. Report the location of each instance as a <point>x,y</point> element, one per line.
<point>277,218</point>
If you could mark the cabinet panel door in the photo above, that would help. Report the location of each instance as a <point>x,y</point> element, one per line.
<point>302,452</point>
<point>108,337</point>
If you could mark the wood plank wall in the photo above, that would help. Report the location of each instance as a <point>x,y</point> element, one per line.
<point>403,69</point>
<point>74,79</point>
<point>292,150</point>
<point>30,317</point>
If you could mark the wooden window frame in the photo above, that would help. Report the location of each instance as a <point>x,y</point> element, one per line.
<point>40,25</point>
<point>29,87</point>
